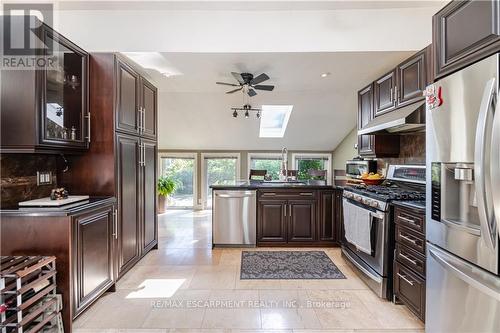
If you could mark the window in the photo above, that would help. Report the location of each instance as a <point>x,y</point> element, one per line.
<point>304,162</point>
<point>269,162</point>
<point>182,169</point>
<point>274,120</point>
<point>218,169</point>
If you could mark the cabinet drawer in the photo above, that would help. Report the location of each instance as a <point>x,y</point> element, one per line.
<point>410,238</point>
<point>410,258</point>
<point>280,195</point>
<point>410,219</point>
<point>410,289</point>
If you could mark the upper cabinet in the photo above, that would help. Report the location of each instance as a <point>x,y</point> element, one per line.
<point>46,108</point>
<point>412,78</point>
<point>463,33</point>
<point>365,114</point>
<point>403,85</point>
<point>385,99</point>
<point>137,102</point>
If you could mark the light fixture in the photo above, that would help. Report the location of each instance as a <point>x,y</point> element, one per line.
<point>247,108</point>
<point>325,74</point>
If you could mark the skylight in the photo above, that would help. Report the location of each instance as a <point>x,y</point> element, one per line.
<point>274,119</point>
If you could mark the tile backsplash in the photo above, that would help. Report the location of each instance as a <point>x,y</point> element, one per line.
<point>18,177</point>
<point>411,151</point>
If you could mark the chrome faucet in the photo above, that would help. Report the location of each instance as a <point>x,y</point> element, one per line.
<point>284,164</point>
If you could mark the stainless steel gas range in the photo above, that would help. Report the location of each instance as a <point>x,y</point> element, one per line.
<point>369,230</point>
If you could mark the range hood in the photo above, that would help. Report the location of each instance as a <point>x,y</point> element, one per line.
<point>408,119</point>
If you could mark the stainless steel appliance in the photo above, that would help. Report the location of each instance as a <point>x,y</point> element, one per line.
<point>404,182</point>
<point>463,213</point>
<point>234,217</point>
<point>355,168</point>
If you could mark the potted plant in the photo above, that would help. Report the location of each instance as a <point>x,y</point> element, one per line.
<point>166,186</point>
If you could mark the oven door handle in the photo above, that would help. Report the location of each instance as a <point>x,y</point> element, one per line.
<point>379,216</point>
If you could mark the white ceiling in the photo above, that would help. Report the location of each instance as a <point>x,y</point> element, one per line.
<point>194,112</point>
<point>292,41</point>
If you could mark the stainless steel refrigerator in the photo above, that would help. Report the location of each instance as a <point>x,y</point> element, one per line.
<point>463,200</point>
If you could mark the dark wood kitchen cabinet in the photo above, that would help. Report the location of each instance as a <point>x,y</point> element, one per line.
<point>122,161</point>
<point>464,32</point>
<point>301,220</point>
<point>410,259</point>
<point>82,238</point>
<point>412,78</point>
<point>46,109</point>
<point>136,102</point>
<point>272,221</point>
<point>384,94</point>
<point>148,189</point>
<point>93,255</point>
<point>128,195</point>
<point>372,145</point>
<point>298,218</point>
<point>365,114</point>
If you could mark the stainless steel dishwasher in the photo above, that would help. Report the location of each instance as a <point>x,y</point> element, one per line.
<point>234,217</point>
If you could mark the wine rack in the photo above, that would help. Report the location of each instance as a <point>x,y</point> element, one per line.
<point>29,302</point>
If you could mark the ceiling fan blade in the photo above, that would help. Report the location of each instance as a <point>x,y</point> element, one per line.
<point>228,84</point>
<point>238,77</point>
<point>264,87</point>
<point>251,92</point>
<point>233,91</point>
<point>261,78</point>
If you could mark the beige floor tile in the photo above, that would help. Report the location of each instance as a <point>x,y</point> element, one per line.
<point>341,309</point>
<point>214,277</point>
<point>387,313</point>
<point>180,311</point>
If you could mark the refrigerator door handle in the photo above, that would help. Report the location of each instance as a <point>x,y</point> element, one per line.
<point>495,165</point>
<point>485,213</point>
<point>475,277</point>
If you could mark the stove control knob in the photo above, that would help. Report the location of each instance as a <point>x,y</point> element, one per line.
<point>374,204</point>
<point>358,198</point>
<point>367,201</point>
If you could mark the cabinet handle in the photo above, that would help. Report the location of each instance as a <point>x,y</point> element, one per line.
<point>414,262</point>
<point>143,154</point>
<point>290,210</point>
<point>392,96</point>
<point>139,120</point>
<point>309,194</point>
<point>405,279</point>
<point>143,120</point>
<point>140,154</point>
<point>411,221</point>
<point>88,126</point>
<point>284,211</point>
<point>411,240</point>
<point>115,223</point>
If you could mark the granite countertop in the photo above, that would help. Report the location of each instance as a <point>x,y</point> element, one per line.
<point>259,185</point>
<point>66,210</point>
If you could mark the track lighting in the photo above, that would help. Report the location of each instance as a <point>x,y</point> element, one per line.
<point>235,114</point>
<point>246,109</point>
<point>258,114</point>
<point>247,114</point>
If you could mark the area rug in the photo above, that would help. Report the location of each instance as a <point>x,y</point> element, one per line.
<point>288,265</point>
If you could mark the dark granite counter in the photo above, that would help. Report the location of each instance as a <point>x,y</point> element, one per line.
<point>417,205</point>
<point>260,185</point>
<point>66,210</point>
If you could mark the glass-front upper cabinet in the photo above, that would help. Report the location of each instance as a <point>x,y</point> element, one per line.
<point>65,117</point>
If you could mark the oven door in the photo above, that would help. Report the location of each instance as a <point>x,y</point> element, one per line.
<point>377,260</point>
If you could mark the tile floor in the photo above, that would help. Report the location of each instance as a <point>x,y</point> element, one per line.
<point>185,286</point>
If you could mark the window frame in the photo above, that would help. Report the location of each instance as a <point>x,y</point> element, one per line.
<point>195,174</point>
<point>272,156</point>
<point>203,156</point>
<point>297,156</point>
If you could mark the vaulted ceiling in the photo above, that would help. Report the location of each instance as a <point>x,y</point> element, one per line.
<point>294,42</point>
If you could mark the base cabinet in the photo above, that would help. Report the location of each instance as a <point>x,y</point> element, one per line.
<point>93,260</point>
<point>298,218</point>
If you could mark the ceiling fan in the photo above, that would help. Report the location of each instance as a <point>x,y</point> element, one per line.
<point>248,83</point>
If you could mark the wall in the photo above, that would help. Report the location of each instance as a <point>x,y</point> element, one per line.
<point>345,150</point>
<point>243,162</point>
<point>18,177</point>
